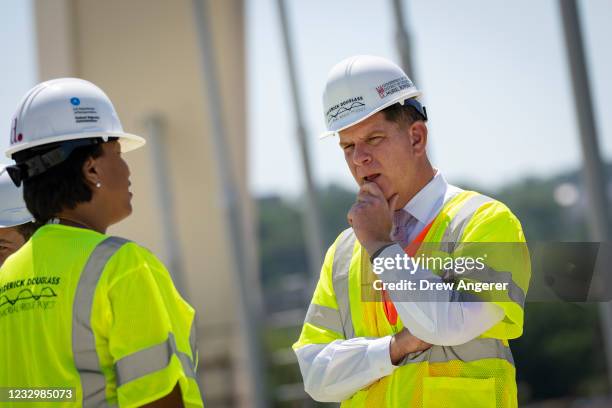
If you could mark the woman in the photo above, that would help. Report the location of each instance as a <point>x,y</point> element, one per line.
<point>96,316</point>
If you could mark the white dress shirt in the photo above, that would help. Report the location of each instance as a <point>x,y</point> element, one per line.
<point>334,372</point>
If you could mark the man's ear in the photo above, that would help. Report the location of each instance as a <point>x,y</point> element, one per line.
<point>90,171</point>
<point>418,137</point>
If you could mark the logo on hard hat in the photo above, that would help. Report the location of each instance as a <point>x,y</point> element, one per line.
<point>391,87</point>
<point>343,108</point>
<point>75,101</point>
<point>14,136</point>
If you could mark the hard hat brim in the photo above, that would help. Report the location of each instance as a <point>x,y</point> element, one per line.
<point>24,218</point>
<point>128,141</point>
<point>12,213</point>
<point>404,96</point>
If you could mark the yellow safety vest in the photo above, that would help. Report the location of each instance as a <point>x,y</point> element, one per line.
<point>96,314</point>
<point>479,373</point>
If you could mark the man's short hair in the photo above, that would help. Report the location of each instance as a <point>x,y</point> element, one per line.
<point>403,115</point>
<point>61,187</point>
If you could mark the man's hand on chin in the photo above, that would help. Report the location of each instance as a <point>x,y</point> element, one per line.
<point>372,217</point>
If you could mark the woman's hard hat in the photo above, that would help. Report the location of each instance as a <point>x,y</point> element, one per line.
<point>360,86</point>
<point>66,109</point>
<point>13,209</point>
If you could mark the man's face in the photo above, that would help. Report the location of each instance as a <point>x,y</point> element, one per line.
<point>382,152</point>
<point>10,241</point>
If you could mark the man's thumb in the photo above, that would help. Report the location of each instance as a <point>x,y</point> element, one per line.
<point>393,202</point>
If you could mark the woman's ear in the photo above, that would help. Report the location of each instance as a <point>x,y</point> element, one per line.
<point>90,171</point>
<point>418,137</point>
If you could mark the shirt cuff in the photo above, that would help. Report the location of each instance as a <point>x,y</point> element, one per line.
<point>380,357</point>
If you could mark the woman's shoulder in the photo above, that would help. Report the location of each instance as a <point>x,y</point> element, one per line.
<point>130,254</point>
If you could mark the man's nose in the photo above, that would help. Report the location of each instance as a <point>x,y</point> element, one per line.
<point>361,156</point>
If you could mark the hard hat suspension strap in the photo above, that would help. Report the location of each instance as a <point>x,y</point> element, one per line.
<point>38,164</point>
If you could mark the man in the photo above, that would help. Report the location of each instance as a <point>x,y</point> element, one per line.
<point>400,348</point>
<point>16,225</point>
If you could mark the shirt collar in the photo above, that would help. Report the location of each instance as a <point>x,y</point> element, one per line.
<point>428,201</point>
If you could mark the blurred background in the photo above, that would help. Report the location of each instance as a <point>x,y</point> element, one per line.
<point>240,199</point>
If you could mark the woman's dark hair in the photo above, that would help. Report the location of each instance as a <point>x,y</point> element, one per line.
<point>61,186</point>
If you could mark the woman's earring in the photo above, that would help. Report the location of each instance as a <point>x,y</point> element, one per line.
<point>98,184</point>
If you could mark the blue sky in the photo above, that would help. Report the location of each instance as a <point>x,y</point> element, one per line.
<point>494,75</point>
<point>18,68</point>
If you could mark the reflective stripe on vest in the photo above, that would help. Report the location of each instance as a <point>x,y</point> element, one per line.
<point>326,317</point>
<point>152,359</point>
<point>488,274</point>
<point>340,280</point>
<point>454,231</point>
<point>473,350</point>
<point>193,343</point>
<point>86,360</point>
<point>452,236</point>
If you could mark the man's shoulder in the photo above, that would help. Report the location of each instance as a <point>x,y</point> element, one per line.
<point>347,235</point>
<point>493,206</point>
<point>493,217</point>
<point>345,239</point>
<point>480,201</point>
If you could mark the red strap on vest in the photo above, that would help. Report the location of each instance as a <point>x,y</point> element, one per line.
<point>411,250</point>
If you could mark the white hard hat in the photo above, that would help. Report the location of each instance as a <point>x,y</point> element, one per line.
<point>66,109</point>
<point>360,86</point>
<point>13,209</point>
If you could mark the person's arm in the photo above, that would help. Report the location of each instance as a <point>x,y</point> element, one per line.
<point>334,368</point>
<point>333,372</point>
<point>147,332</point>
<point>432,315</point>
<point>172,400</point>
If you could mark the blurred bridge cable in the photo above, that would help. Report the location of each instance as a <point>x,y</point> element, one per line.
<point>312,213</point>
<point>249,297</point>
<point>403,40</point>
<point>594,175</point>
<point>157,138</point>
<point>404,48</point>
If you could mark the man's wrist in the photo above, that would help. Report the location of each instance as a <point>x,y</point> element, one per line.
<point>396,350</point>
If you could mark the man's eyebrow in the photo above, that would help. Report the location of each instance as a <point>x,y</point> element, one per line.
<point>376,132</point>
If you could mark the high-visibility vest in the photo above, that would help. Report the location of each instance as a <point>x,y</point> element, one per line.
<point>98,315</point>
<point>479,373</point>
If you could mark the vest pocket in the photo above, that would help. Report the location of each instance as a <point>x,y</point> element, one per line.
<point>444,392</point>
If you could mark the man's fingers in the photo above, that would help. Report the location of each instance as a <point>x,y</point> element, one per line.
<point>422,346</point>
<point>365,199</point>
<point>355,208</point>
<point>372,189</point>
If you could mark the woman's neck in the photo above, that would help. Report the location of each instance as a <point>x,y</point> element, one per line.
<point>82,218</point>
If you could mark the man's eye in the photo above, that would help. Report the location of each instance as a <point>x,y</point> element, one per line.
<point>374,139</point>
<point>347,147</point>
